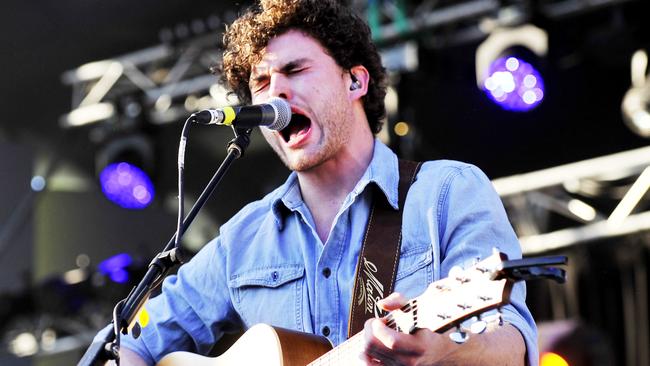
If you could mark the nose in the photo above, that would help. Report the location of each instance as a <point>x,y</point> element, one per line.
<point>279,86</point>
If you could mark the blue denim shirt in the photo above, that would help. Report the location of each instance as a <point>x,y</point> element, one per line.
<point>266,265</point>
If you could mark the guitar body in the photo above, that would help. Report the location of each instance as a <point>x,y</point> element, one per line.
<point>261,345</point>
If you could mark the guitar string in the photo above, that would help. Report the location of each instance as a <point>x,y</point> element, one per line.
<point>353,344</point>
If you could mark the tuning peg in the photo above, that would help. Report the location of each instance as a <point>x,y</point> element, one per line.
<point>478,327</point>
<point>474,325</point>
<point>459,336</point>
<point>493,318</point>
<point>455,271</point>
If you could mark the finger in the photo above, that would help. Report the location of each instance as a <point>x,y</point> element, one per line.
<point>392,302</point>
<point>393,342</point>
<point>376,335</point>
<point>367,359</point>
<point>370,354</point>
<point>388,346</point>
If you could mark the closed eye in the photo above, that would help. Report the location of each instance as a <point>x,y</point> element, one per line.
<point>260,82</point>
<point>259,87</point>
<point>294,71</point>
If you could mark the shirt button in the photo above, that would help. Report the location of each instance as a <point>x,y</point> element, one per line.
<point>327,272</point>
<point>326,331</point>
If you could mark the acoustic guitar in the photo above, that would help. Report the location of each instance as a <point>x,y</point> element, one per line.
<point>445,304</point>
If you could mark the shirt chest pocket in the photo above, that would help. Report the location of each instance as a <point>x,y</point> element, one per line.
<point>269,294</point>
<point>415,271</point>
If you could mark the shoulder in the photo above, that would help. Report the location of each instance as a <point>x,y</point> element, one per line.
<point>442,174</point>
<point>451,188</point>
<point>445,168</point>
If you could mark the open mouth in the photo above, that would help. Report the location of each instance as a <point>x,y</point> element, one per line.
<point>299,123</point>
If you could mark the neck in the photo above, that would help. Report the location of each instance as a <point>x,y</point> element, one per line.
<point>325,187</point>
<point>335,177</point>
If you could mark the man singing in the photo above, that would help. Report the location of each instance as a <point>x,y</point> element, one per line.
<point>290,259</point>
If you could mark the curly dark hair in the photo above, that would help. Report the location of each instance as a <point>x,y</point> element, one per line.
<point>343,34</point>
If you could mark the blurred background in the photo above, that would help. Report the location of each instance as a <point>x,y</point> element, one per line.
<point>551,98</point>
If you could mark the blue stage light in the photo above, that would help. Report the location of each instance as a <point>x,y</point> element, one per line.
<point>119,276</point>
<point>115,267</point>
<point>126,185</point>
<point>514,84</point>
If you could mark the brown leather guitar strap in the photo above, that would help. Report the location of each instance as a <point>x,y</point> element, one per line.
<point>379,256</point>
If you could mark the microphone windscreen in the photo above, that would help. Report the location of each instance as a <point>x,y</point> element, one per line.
<point>282,113</point>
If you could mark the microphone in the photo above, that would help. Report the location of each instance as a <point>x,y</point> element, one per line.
<point>275,114</point>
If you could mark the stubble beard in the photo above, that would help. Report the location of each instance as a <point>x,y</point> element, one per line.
<point>335,134</point>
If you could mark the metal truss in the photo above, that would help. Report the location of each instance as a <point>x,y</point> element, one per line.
<point>155,80</point>
<point>398,20</point>
<point>574,191</point>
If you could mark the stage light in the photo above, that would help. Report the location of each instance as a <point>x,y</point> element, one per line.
<point>123,169</point>
<point>115,267</point>
<point>514,84</point>
<point>74,276</point>
<point>570,342</point>
<point>552,359</point>
<point>505,67</point>
<point>126,185</point>
<point>401,129</point>
<point>636,103</point>
<point>37,183</point>
<point>24,344</point>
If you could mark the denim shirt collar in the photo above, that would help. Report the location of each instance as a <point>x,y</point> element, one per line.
<point>383,171</point>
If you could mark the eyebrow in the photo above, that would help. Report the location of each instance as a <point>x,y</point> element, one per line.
<point>284,69</point>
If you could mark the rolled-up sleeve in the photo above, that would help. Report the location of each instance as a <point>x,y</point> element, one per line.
<point>191,313</point>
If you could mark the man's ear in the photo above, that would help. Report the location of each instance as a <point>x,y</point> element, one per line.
<point>359,79</point>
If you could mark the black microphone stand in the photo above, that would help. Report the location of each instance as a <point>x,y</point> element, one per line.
<point>104,348</point>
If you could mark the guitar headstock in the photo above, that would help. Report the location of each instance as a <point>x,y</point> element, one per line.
<point>468,293</point>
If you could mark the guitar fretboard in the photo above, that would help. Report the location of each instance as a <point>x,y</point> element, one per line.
<point>347,353</point>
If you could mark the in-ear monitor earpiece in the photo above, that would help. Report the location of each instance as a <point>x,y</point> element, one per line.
<point>356,84</point>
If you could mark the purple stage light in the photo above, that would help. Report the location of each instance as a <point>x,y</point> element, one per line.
<point>126,185</point>
<point>514,84</point>
<point>115,267</point>
<point>119,276</point>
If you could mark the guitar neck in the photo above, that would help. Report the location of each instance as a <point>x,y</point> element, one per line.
<point>347,353</point>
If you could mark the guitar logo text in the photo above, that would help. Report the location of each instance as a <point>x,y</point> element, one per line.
<point>371,290</point>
